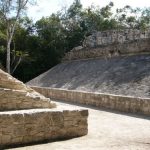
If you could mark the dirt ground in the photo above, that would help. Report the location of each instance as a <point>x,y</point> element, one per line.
<point>107,131</point>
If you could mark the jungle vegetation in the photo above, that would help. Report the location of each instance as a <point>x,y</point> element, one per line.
<point>37,46</point>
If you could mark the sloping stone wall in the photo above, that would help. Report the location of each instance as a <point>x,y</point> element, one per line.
<point>15,95</point>
<point>18,99</point>
<point>9,82</point>
<point>29,126</point>
<point>109,101</point>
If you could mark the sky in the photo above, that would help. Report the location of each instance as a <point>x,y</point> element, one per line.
<point>47,7</point>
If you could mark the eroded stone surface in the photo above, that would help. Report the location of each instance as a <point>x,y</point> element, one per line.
<point>115,36</point>
<point>128,76</point>
<point>111,50</point>
<point>107,131</point>
<point>112,43</point>
<point>113,102</point>
<point>28,126</point>
<point>16,95</point>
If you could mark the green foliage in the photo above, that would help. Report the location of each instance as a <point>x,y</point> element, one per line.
<point>75,9</point>
<point>41,45</point>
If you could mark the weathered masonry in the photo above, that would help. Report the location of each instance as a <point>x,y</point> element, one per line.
<point>27,116</point>
<point>110,70</point>
<point>127,104</point>
<point>112,43</point>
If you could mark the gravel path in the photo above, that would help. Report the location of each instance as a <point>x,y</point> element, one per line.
<point>107,131</point>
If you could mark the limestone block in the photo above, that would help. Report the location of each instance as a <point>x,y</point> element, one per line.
<point>124,41</point>
<point>115,102</point>
<point>27,126</point>
<point>16,95</point>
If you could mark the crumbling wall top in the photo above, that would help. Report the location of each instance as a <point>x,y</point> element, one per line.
<point>115,36</point>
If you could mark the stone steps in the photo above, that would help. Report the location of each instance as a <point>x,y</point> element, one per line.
<point>18,99</point>
<point>28,117</point>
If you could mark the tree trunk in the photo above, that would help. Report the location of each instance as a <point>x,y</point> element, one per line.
<point>5,11</point>
<point>10,33</point>
<point>8,58</point>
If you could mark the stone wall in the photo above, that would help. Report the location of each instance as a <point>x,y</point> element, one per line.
<point>115,36</point>
<point>114,102</point>
<point>111,43</point>
<point>15,95</point>
<point>17,99</point>
<point>28,126</point>
<point>130,48</point>
<point>9,82</point>
<point>34,125</point>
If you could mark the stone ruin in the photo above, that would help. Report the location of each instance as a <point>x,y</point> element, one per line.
<point>14,95</point>
<point>115,36</point>
<point>28,117</point>
<point>112,70</point>
<point>111,43</point>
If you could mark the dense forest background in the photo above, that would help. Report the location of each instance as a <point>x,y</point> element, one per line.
<point>38,46</point>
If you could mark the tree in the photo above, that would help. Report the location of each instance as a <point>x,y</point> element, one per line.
<point>36,47</point>
<point>10,13</point>
<point>19,51</point>
<point>51,38</point>
<point>144,19</point>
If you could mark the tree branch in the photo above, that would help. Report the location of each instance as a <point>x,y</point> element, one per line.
<point>3,16</point>
<point>17,64</point>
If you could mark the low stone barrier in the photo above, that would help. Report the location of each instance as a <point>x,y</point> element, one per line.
<point>109,101</point>
<point>34,125</point>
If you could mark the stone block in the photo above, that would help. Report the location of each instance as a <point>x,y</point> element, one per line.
<point>41,124</point>
<point>16,95</point>
<point>115,102</point>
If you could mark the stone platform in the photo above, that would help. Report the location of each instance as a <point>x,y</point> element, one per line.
<point>37,125</point>
<point>27,117</point>
<point>108,130</point>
